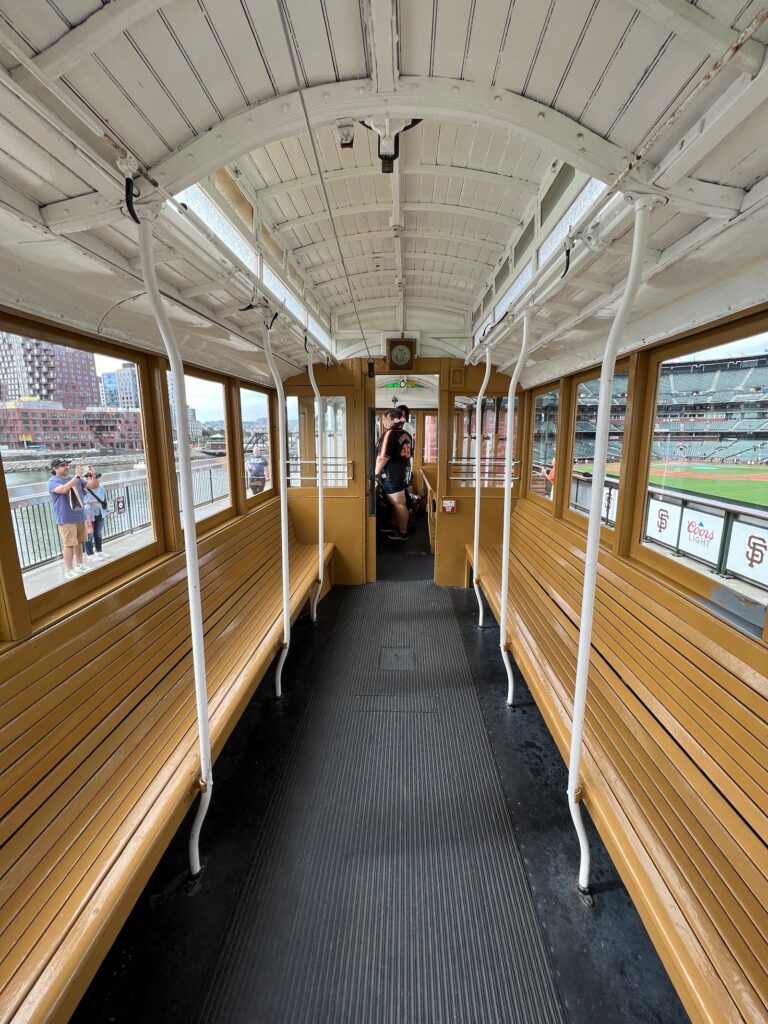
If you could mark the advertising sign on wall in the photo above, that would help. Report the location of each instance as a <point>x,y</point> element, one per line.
<point>701,535</point>
<point>663,522</point>
<point>748,552</point>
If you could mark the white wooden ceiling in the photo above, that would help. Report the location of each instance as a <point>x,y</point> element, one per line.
<point>502,87</point>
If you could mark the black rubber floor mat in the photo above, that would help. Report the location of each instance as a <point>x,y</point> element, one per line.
<point>387,886</point>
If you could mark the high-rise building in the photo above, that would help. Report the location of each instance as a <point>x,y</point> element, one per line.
<point>75,383</point>
<point>51,373</point>
<point>121,387</point>
<point>27,368</point>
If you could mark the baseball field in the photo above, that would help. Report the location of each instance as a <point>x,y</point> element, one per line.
<point>748,484</point>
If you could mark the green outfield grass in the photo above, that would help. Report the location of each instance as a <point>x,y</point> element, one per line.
<point>731,483</point>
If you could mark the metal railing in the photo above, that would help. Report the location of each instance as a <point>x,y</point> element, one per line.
<point>337,472</point>
<point>462,471</point>
<point>581,496</point>
<point>36,534</point>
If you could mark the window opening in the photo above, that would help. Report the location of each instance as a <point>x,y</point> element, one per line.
<point>493,439</point>
<point>206,418</point>
<point>78,408</point>
<point>707,500</point>
<point>587,395</point>
<point>551,243</point>
<point>303,441</point>
<point>543,462</point>
<point>429,451</point>
<point>254,414</point>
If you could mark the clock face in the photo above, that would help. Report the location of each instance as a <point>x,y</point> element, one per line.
<point>400,355</point>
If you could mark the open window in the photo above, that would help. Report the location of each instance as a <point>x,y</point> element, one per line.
<point>543,466</point>
<point>257,442</point>
<point>587,392</point>
<point>303,441</point>
<point>705,509</point>
<point>72,410</point>
<point>207,422</point>
<point>492,438</point>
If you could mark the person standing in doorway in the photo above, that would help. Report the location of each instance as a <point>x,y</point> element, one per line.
<point>67,495</point>
<point>96,510</point>
<point>392,466</point>
<point>403,413</point>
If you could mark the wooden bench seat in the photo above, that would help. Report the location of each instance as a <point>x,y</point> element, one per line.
<point>674,766</point>
<point>99,749</point>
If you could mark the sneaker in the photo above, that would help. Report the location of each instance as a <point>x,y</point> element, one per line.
<point>101,556</point>
<point>80,569</point>
<point>70,574</point>
<point>396,535</point>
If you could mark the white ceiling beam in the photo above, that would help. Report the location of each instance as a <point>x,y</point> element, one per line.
<point>160,254</point>
<point>395,223</point>
<point>739,102</point>
<point>593,283</point>
<point>701,30</point>
<point>89,36</point>
<point>382,44</point>
<point>442,208</point>
<point>387,274</point>
<point>429,170</point>
<point>456,102</point>
<point>68,216</point>
<point>407,254</point>
<point>340,211</point>
<point>442,99</point>
<point>436,236</point>
<point>390,300</point>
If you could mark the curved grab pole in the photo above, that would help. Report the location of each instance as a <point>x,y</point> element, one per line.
<point>508,509</point>
<point>320,509</point>
<point>190,537</point>
<point>642,206</point>
<point>281,426</point>
<point>478,461</point>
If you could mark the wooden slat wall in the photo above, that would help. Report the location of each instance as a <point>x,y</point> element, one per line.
<point>676,748</point>
<point>98,748</point>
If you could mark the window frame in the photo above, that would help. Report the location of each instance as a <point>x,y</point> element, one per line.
<point>422,421</point>
<point>561,384</point>
<point>666,569</point>
<point>344,391</point>
<point>493,489</point>
<point>579,520</point>
<point>212,522</point>
<point>252,501</point>
<point>58,599</point>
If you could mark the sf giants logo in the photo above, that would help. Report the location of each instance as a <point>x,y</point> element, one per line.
<point>662,520</point>
<point>756,548</point>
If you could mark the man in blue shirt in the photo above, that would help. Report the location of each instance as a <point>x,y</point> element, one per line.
<point>66,493</point>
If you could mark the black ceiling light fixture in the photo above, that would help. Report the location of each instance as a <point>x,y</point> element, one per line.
<point>389,132</point>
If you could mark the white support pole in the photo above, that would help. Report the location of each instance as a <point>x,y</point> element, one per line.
<point>283,454</point>
<point>190,537</point>
<point>521,360</point>
<point>642,206</point>
<point>320,507</point>
<point>478,463</point>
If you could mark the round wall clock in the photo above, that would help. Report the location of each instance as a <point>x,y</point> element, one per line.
<point>400,355</point>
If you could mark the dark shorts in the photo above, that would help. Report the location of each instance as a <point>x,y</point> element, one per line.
<point>391,487</point>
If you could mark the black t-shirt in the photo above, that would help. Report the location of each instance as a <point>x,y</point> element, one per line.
<point>397,445</point>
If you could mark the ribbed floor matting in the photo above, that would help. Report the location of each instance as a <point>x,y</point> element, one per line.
<point>387,885</point>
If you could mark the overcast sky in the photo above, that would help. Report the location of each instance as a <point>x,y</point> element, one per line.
<point>756,346</point>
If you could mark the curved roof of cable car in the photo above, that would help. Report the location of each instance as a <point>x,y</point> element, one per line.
<point>505,95</point>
